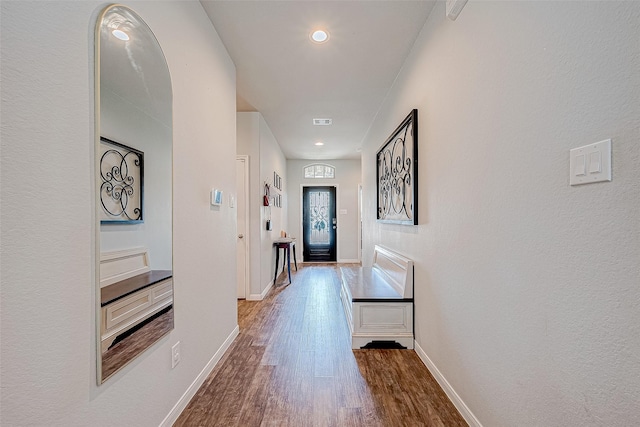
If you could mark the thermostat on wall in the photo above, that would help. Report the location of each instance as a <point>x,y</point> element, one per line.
<point>216,197</point>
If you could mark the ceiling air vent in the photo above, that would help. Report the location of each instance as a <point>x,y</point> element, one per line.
<point>322,122</point>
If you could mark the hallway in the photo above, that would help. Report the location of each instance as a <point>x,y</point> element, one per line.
<point>292,365</point>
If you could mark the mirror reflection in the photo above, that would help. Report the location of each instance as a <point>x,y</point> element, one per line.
<point>133,190</point>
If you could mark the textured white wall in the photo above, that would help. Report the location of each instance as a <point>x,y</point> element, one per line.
<point>348,176</point>
<point>47,297</point>
<point>271,160</point>
<point>527,290</point>
<point>265,156</point>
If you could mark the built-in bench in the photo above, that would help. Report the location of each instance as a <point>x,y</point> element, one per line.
<point>378,301</point>
<point>130,292</point>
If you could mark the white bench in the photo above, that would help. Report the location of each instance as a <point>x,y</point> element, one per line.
<point>378,301</point>
<point>130,292</point>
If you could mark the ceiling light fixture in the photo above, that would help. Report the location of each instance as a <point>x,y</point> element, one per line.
<point>322,122</point>
<point>319,36</point>
<point>120,35</point>
<point>319,143</point>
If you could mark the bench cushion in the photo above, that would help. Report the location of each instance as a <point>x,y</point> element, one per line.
<point>368,285</point>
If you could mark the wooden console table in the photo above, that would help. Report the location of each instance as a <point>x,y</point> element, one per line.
<point>286,245</point>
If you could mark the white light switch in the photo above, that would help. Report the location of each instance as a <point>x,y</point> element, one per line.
<point>579,166</point>
<point>594,162</point>
<point>591,163</point>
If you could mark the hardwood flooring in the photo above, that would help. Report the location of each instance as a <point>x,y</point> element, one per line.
<point>292,365</point>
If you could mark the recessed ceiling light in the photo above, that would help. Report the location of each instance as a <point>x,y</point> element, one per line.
<point>319,36</point>
<point>319,143</point>
<point>120,35</point>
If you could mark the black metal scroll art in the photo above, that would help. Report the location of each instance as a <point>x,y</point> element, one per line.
<point>119,187</point>
<point>395,166</point>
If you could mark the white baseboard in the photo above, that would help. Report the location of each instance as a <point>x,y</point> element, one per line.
<point>260,297</point>
<point>450,392</point>
<point>197,383</point>
<point>349,261</point>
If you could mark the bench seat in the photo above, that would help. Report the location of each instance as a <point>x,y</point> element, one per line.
<point>368,284</point>
<point>378,301</point>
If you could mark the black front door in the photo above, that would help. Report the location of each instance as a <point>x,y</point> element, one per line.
<point>319,223</point>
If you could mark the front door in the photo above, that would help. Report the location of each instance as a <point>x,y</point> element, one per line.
<point>319,223</point>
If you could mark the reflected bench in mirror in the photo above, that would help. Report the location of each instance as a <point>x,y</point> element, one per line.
<point>135,302</point>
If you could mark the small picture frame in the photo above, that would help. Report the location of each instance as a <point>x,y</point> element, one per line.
<point>277,181</point>
<point>216,197</point>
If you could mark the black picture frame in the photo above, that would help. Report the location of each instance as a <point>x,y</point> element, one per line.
<point>397,174</point>
<point>121,192</point>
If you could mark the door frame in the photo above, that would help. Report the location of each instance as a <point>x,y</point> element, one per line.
<point>301,197</point>
<point>247,231</point>
<point>360,223</point>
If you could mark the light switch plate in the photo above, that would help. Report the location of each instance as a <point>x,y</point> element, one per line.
<point>175,355</point>
<point>591,163</point>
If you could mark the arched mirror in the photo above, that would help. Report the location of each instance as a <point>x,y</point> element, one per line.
<point>134,287</point>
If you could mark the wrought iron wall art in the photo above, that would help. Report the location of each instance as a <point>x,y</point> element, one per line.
<point>122,175</point>
<point>397,174</point>
<point>319,205</point>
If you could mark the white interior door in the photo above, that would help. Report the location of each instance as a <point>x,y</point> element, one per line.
<point>242,246</point>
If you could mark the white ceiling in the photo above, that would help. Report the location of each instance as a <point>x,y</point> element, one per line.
<point>291,80</point>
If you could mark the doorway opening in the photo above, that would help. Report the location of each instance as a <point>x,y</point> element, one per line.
<point>319,224</point>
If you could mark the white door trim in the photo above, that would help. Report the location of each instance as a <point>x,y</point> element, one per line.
<point>247,228</point>
<point>360,223</point>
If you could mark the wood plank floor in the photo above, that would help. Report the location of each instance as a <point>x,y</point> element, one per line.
<point>292,365</point>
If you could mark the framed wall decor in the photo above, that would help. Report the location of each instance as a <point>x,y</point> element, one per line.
<point>122,178</point>
<point>277,181</point>
<point>397,174</point>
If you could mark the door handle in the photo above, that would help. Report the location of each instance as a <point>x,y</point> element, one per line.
<point>240,236</point>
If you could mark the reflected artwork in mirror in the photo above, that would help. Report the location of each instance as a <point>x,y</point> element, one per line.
<point>133,185</point>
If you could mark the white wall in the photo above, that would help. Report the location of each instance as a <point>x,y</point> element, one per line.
<point>265,157</point>
<point>47,297</point>
<point>526,289</point>
<point>271,160</point>
<point>348,177</point>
